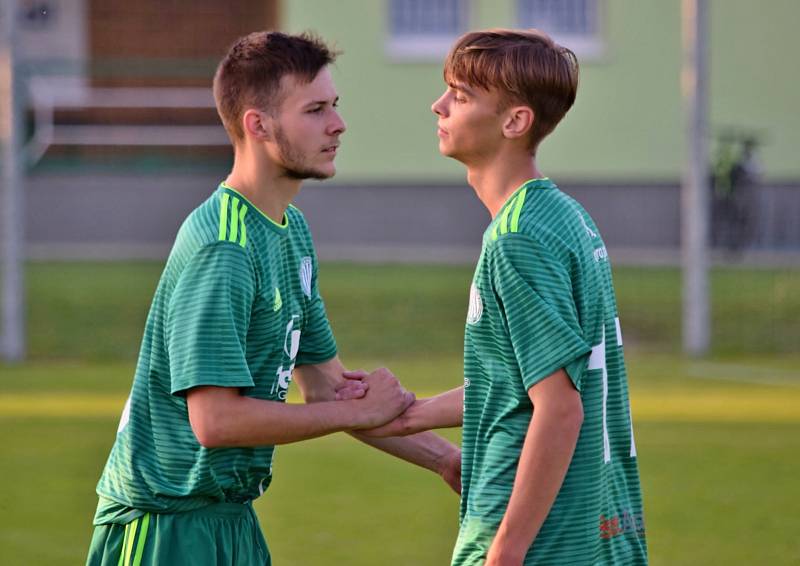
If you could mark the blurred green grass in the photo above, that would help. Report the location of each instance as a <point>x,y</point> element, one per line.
<point>718,438</point>
<point>396,310</point>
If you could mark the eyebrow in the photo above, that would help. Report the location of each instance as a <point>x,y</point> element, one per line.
<point>323,102</point>
<point>462,87</point>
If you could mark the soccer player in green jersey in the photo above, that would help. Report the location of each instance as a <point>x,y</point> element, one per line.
<point>236,316</point>
<point>549,472</point>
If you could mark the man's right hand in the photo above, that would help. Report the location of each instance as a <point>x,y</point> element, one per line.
<point>385,399</point>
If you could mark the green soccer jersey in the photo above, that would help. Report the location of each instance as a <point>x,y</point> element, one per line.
<point>236,306</point>
<point>542,299</point>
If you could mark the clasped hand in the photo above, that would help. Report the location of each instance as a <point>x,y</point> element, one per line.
<point>379,394</point>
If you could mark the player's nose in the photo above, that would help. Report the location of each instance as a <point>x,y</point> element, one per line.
<point>439,107</point>
<point>337,126</point>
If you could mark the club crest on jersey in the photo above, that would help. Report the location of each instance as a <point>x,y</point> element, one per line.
<point>291,345</point>
<point>276,306</point>
<point>475,311</point>
<point>306,271</point>
<point>589,232</point>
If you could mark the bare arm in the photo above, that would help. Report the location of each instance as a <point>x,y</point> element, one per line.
<point>319,383</point>
<point>545,458</point>
<point>442,411</point>
<point>221,416</point>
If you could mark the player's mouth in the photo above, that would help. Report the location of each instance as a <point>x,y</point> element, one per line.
<point>331,149</point>
<point>441,132</point>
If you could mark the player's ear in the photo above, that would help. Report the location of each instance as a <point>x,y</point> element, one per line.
<point>257,124</point>
<point>518,122</point>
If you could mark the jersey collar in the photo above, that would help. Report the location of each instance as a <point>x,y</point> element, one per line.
<point>282,228</point>
<point>507,216</point>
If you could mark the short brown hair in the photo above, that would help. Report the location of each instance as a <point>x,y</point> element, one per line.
<point>524,66</point>
<point>250,74</point>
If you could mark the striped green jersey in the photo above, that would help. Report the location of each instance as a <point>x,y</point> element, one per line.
<point>542,299</point>
<point>236,306</point>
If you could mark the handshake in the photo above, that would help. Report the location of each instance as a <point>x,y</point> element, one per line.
<point>380,407</point>
<point>382,404</point>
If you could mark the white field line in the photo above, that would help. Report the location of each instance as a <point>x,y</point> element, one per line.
<point>758,375</point>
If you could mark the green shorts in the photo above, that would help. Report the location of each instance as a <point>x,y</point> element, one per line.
<point>220,534</point>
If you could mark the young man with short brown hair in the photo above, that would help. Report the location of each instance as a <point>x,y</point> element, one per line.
<point>549,469</point>
<point>237,315</point>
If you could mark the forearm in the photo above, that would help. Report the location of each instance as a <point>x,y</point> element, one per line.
<point>445,410</point>
<point>544,461</point>
<point>245,421</point>
<point>425,449</point>
<point>442,411</point>
<point>318,382</point>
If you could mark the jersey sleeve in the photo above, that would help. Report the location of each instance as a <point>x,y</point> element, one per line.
<point>208,319</point>
<point>535,294</point>
<point>317,344</point>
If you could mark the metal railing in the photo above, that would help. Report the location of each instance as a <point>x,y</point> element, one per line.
<point>49,94</point>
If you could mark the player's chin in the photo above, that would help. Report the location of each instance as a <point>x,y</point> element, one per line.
<point>329,168</point>
<point>325,171</point>
<point>446,149</point>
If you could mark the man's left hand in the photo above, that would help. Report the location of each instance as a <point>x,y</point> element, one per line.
<point>352,387</point>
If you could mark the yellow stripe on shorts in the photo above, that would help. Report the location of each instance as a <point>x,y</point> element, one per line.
<point>137,559</point>
<point>131,539</point>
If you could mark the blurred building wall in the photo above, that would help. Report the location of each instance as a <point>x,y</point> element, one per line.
<point>619,150</point>
<point>53,39</point>
<point>121,217</point>
<point>175,43</point>
<point>626,124</point>
<point>141,43</point>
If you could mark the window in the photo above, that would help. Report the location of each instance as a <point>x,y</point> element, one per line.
<point>37,15</point>
<point>425,29</point>
<point>573,23</point>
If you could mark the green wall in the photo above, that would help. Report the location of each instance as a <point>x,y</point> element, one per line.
<point>626,123</point>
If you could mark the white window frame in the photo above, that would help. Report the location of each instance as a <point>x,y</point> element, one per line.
<point>423,47</point>
<point>585,47</point>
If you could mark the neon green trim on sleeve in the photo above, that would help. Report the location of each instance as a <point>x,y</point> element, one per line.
<point>234,220</point>
<point>223,216</point>
<point>518,210</point>
<point>243,226</point>
<point>504,218</point>
<point>137,559</point>
<point>285,223</point>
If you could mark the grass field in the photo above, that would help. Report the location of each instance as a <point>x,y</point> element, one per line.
<point>718,439</point>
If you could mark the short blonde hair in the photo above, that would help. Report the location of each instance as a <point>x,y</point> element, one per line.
<point>524,66</point>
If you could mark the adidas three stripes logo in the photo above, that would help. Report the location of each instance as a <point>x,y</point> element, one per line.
<point>232,227</point>
<point>509,220</point>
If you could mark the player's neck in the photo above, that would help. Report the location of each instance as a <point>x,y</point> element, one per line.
<point>263,184</point>
<point>495,181</point>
